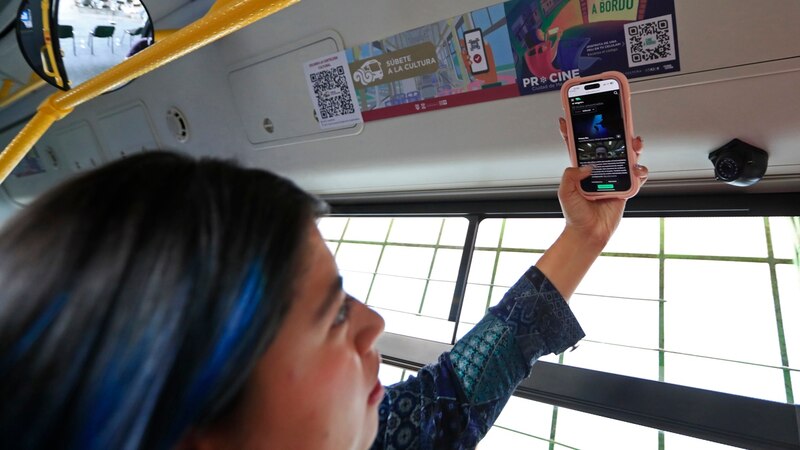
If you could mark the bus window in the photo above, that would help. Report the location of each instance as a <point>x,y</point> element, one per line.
<point>405,268</point>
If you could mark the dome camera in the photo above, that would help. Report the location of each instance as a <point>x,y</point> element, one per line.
<point>739,163</point>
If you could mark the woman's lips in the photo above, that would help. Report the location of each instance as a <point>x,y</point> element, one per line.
<point>376,395</point>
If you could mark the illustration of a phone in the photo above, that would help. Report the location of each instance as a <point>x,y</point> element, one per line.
<point>476,51</point>
<point>600,133</point>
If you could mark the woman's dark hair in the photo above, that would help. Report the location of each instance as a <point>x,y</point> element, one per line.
<point>135,299</point>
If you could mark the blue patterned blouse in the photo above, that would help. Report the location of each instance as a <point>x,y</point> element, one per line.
<point>453,403</point>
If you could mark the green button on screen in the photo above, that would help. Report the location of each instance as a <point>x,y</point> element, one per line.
<point>605,186</point>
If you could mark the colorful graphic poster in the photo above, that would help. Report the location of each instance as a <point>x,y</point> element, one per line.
<point>462,60</point>
<point>555,40</point>
<point>519,47</point>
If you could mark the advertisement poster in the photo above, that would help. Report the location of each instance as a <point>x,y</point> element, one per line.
<point>462,60</point>
<point>519,47</point>
<point>555,40</point>
<point>331,90</point>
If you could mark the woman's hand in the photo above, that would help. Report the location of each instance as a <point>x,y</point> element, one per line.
<point>596,220</point>
<point>590,224</point>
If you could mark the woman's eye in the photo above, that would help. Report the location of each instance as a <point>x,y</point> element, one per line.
<point>344,312</point>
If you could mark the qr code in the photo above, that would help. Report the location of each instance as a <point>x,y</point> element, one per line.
<point>650,41</point>
<point>333,95</point>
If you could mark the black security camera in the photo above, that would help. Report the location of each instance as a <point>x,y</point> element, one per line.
<point>739,163</point>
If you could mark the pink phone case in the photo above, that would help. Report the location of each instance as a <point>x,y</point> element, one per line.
<point>629,135</point>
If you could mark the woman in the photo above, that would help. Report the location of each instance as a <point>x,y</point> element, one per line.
<point>163,302</point>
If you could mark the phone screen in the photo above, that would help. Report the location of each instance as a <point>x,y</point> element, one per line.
<point>599,129</point>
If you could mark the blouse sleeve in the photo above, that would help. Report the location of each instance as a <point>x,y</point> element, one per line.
<point>452,404</point>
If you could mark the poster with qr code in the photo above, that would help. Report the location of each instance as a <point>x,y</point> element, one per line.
<point>519,47</point>
<point>555,40</point>
<point>332,92</point>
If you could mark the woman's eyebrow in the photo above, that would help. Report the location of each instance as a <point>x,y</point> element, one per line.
<point>323,309</point>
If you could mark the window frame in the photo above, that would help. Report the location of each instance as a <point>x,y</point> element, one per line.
<point>712,416</point>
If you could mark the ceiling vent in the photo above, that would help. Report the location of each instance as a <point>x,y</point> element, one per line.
<point>177,124</point>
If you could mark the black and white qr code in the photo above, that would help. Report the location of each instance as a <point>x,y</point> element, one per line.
<point>650,41</point>
<point>333,95</point>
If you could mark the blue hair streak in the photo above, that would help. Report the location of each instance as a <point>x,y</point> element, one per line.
<point>123,400</point>
<point>234,331</point>
<point>33,334</point>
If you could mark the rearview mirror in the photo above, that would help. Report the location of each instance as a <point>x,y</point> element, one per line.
<point>67,42</point>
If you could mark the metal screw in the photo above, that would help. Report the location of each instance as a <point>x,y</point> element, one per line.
<point>268,125</point>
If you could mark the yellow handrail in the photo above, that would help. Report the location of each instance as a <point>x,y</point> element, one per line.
<point>34,84</point>
<point>218,23</point>
<point>219,4</point>
<point>6,88</point>
<point>48,52</point>
<point>160,34</point>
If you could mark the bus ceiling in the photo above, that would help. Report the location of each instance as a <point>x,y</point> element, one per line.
<point>224,18</point>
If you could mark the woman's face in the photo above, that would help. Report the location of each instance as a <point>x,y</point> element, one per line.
<point>317,385</point>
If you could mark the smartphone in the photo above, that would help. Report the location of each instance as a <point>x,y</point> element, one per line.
<point>600,134</point>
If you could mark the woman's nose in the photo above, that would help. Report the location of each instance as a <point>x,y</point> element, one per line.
<point>369,325</point>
